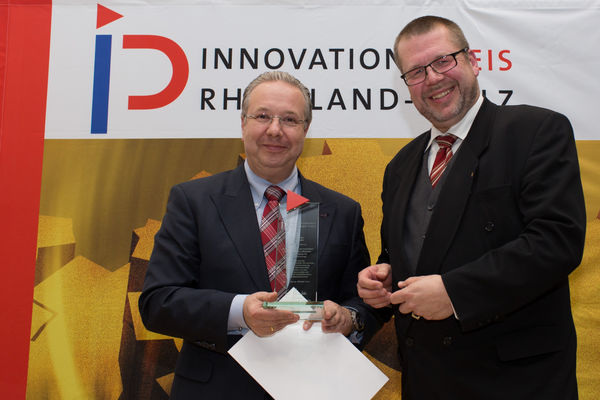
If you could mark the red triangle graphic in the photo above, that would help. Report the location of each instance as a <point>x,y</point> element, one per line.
<point>294,200</point>
<point>326,149</point>
<point>105,16</point>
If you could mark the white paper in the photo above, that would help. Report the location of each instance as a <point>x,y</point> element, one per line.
<point>297,364</point>
<point>293,295</point>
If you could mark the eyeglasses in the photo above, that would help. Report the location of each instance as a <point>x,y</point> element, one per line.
<point>266,119</point>
<point>439,65</point>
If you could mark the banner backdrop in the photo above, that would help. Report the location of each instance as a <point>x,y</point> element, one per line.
<point>165,70</point>
<point>131,97</point>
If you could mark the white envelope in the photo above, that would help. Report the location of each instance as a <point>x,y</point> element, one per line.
<point>297,364</point>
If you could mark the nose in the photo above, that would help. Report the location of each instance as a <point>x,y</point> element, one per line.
<point>274,127</point>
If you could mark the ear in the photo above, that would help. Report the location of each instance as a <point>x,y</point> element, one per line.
<point>243,122</point>
<point>473,61</point>
<point>306,130</point>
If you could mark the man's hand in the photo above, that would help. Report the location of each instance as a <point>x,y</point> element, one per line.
<point>423,296</point>
<point>335,319</point>
<point>375,285</point>
<point>265,322</point>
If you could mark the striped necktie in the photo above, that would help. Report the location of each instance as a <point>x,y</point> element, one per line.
<point>442,158</point>
<point>272,232</point>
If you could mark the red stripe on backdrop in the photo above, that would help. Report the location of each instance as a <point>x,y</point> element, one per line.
<point>24,58</point>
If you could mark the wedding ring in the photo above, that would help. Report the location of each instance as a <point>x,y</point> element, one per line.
<point>415,316</point>
<point>272,330</point>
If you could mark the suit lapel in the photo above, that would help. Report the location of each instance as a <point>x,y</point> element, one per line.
<point>455,193</point>
<point>239,218</point>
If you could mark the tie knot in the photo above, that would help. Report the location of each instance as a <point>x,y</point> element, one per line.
<point>274,193</point>
<point>445,141</point>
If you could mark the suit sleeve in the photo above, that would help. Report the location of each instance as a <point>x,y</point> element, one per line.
<point>173,301</point>
<point>548,230</point>
<point>384,256</point>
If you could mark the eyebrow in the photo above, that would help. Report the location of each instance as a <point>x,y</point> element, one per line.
<point>268,111</point>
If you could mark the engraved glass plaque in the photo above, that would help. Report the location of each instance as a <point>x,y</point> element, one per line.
<point>300,295</point>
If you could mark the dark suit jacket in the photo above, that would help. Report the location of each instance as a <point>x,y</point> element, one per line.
<point>209,249</point>
<point>507,230</point>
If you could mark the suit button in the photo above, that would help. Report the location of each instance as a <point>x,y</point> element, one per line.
<point>489,226</point>
<point>447,341</point>
<point>409,341</point>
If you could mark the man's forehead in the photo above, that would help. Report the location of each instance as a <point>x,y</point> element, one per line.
<point>424,48</point>
<point>275,94</point>
<point>269,86</point>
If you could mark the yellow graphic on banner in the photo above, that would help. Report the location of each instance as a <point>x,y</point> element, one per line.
<point>87,338</point>
<point>76,354</point>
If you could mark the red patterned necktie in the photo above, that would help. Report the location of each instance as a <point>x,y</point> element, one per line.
<point>272,232</point>
<point>442,158</point>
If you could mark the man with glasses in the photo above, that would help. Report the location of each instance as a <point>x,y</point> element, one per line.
<point>483,220</point>
<point>226,246</point>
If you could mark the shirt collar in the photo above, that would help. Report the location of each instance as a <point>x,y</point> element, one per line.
<point>258,185</point>
<point>462,127</point>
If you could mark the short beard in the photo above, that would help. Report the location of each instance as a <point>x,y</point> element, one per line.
<point>462,107</point>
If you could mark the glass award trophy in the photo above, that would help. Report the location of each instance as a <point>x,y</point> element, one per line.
<point>300,295</point>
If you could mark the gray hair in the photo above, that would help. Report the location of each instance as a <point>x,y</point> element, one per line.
<point>426,24</point>
<point>272,76</point>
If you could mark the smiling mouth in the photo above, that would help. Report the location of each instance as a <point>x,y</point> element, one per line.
<point>440,95</point>
<point>274,147</point>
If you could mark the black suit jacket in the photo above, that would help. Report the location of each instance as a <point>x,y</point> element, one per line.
<point>209,249</point>
<point>507,230</point>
